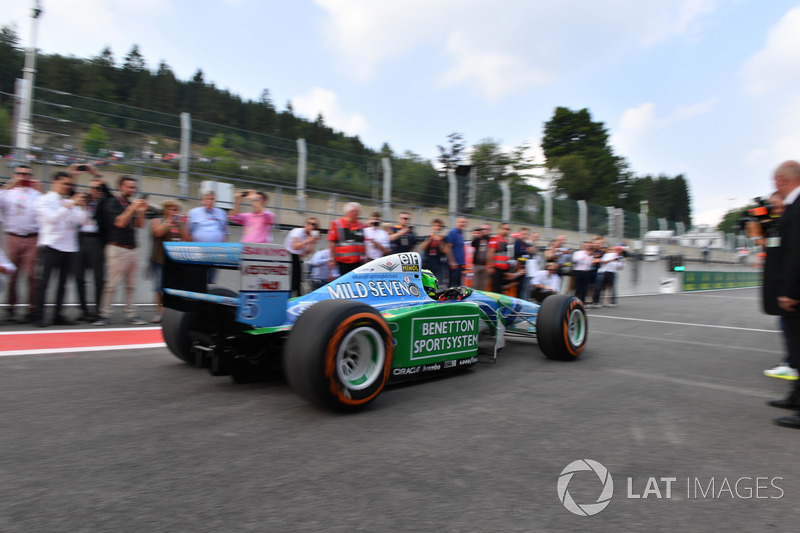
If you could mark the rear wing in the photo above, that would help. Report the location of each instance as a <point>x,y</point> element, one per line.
<point>265,272</point>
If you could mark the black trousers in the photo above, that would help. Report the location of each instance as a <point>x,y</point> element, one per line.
<point>49,259</point>
<point>582,278</point>
<point>297,275</point>
<point>344,268</point>
<point>90,256</point>
<point>540,294</point>
<point>792,332</point>
<point>498,280</point>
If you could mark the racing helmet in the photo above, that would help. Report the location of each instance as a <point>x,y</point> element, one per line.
<point>430,283</point>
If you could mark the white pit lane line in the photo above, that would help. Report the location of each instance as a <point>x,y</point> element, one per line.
<point>667,322</point>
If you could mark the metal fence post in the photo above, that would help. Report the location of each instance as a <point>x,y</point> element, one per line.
<point>506,188</point>
<point>302,157</point>
<point>387,188</point>
<point>582,219</point>
<point>548,215</point>
<point>186,142</point>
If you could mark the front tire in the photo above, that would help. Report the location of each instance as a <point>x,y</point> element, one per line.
<point>562,327</point>
<point>339,355</point>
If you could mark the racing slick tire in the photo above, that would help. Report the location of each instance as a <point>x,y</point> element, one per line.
<point>176,325</point>
<point>561,327</point>
<point>339,354</point>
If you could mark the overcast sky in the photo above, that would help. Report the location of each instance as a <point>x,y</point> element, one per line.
<point>703,88</point>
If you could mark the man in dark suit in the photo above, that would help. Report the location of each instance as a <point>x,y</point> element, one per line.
<point>782,279</point>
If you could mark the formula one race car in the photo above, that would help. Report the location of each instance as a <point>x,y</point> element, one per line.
<point>342,343</point>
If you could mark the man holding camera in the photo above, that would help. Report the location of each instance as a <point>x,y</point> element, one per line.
<point>60,212</point>
<point>403,238</point>
<point>91,243</point>
<point>258,223</point>
<point>301,242</point>
<point>18,202</point>
<point>376,238</point>
<point>435,250</point>
<point>123,215</point>
<point>782,279</point>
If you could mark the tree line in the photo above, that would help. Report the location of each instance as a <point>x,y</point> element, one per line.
<point>580,163</point>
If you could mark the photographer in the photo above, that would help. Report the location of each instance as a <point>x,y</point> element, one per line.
<point>761,224</point>
<point>124,215</point>
<point>782,279</point>
<point>18,205</point>
<point>61,212</point>
<point>403,238</point>
<point>91,241</point>
<point>171,227</point>
<point>434,250</point>
<point>258,223</point>
<point>301,242</point>
<point>376,238</point>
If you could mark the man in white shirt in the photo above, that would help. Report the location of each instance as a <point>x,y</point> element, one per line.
<point>18,202</point>
<point>376,238</point>
<point>59,219</point>
<point>611,263</point>
<point>582,270</point>
<point>301,242</point>
<point>546,282</point>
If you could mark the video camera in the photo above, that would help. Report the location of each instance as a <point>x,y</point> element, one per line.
<point>762,214</point>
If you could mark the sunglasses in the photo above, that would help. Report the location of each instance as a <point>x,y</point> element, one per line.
<point>28,174</point>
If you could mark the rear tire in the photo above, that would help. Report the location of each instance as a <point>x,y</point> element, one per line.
<point>339,355</point>
<point>562,327</point>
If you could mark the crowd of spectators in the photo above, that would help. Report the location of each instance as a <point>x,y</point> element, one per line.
<point>91,237</point>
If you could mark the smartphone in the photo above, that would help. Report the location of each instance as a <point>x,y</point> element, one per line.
<point>315,233</point>
<point>144,196</point>
<point>244,194</point>
<point>82,168</point>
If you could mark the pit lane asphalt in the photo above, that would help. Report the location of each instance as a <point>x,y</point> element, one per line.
<point>669,386</point>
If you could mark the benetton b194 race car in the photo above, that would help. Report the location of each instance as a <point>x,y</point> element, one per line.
<point>342,343</point>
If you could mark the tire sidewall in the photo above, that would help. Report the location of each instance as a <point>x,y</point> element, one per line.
<point>552,327</point>
<point>310,354</point>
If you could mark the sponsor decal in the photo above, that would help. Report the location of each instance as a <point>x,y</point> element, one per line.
<point>407,259</point>
<point>375,288</point>
<point>278,270</point>
<point>388,265</point>
<point>410,268</point>
<point>204,254</point>
<point>437,337</point>
<point>433,367</point>
<point>265,252</point>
